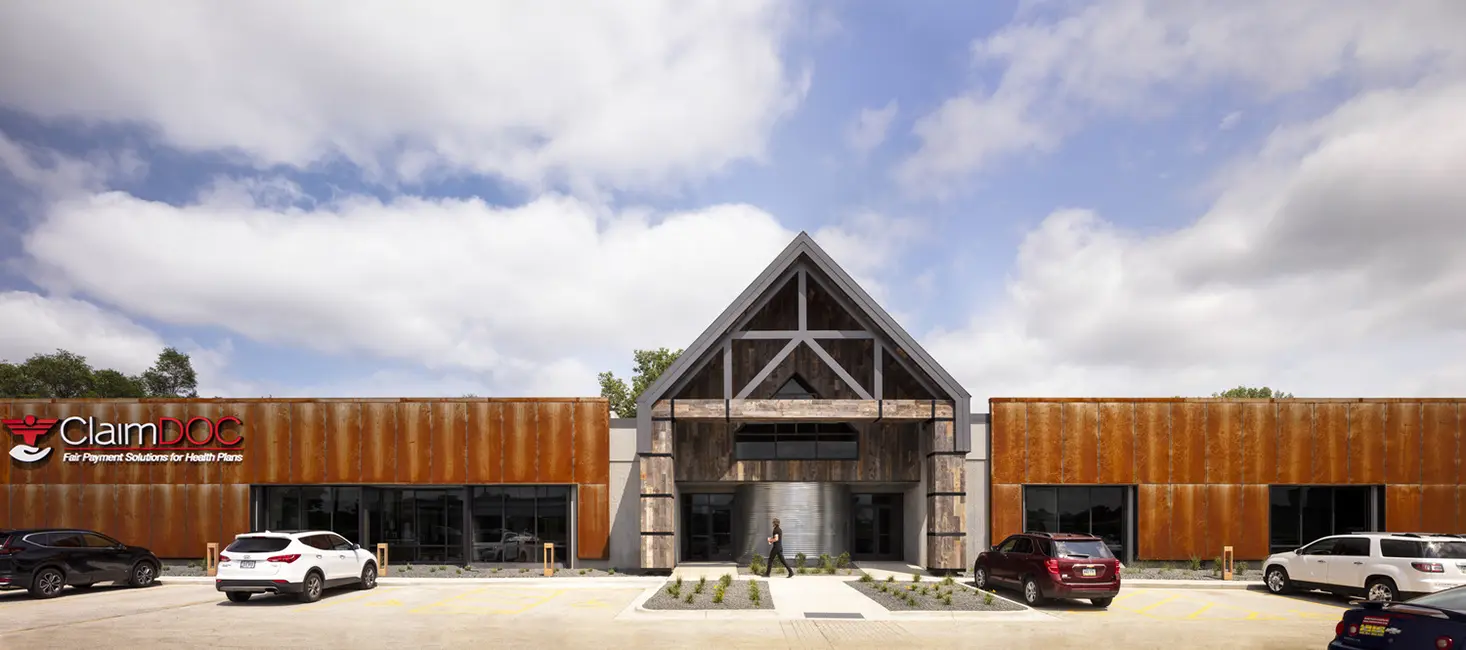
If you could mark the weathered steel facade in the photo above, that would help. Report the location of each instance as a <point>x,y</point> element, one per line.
<point>1202,468</point>
<point>175,508</point>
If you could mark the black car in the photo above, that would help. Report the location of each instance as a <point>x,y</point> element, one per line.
<point>44,560</point>
<point>1431,622</point>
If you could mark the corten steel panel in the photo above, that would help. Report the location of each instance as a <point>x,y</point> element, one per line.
<point>99,508</point>
<point>1223,505</point>
<point>1080,443</point>
<point>1330,443</point>
<point>205,503</point>
<point>249,445</point>
<point>1188,442</point>
<point>1153,521</point>
<point>5,504</point>
<point>1117,443</point>
<point>521,443</point>
<point>172,522</point>
<point>450,443</point>
<point>1045,452</point>
<point>171,473</point>
<point>1007,514</point>
<point>204,472</point>
<point>1008,435</point>
<point>134,473</point>
<point>307,442</point>
<point>1188,521</point>
<point>34,473</point>
<point>1440,444</point>
<point>1460,510</point>
<point>1438,508</point>
<point>1252,524</point>
<point>63,505</point>
<point>485,442</point>
<point>28,506</point>
<point>269,457</point>
<point>592,442</point>
<point>556,443</point>
<point>343,442</point>
<point>53,469</point>
<point>135,520</point>
<point>593,522</point>
<point>1402,508</point>
<point>99,473</point>
<point>378,442</point>
<point>1295,442</point>
<point>1367,443</point>
<point>1259,443</point>
<point>234,516</point>
<point>414,441</point>
<point>1224,443</point>
<point>1402,443</point>
<point>1152,442</point>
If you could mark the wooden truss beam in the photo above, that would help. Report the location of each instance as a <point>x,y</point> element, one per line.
<point>814,334</point>
<point>855,410</point>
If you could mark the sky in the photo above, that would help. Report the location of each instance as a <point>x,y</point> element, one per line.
<point>1056,198</point>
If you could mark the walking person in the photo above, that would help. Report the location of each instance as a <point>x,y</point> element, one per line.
<point>776,551</point>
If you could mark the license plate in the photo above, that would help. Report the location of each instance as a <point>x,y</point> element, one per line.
<point>247,564</point>
<point>1372,626</point>
<point>1089,573</point>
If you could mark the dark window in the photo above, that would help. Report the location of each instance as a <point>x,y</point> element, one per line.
<point>318,507</point>
<point>1352,546</point>
<point>552,520</point>
<point>1452,599</point>
<point>93,540</point>
<point>337,509</point>
<point>1300,514</point>
<point>795,388</point>
<point>321,542</point>
<point>1400,548</point>
<point>796,441</point>
<point>282,508</point>
<point>1424,550</point>
<point>339,543</point>
<point>258,545</point>
<point>1098,511</point>
<point>1081,549</point>
<point>347,518</point>
<point>1024,545</point>
<point>1008,545</point>
<point>1321,547</point>
<point>1445,550</point>
<point>65,540</point>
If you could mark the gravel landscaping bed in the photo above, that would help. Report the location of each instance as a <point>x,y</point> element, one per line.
<point>1243,571</point>
<point>703,594</point>
<point>931,596</point>
<point>491,571</point>
<point>182,569</point>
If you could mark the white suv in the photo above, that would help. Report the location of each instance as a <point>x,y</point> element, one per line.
<point>1378,566</point>
<point>304,563</point>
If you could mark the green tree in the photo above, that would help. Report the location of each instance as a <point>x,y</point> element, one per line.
<point>1248,392</point>
<point>171,376</point>
<point>110,383</point>
<point>61,375</point>
<point>67,375</point>
<point>650,364</point>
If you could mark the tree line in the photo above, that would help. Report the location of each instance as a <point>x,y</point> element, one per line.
<point>67,375</point>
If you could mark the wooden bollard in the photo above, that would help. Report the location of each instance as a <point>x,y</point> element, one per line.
<point>1226,563</point>
<point>211,558</point>
<point>381,559</point>
<point>549,559</point>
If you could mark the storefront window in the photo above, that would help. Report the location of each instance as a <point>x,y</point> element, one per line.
<point>1300,514</point>
<point>1098,511</point>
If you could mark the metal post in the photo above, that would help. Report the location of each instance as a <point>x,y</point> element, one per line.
<point>211,558</point>
<point>1226,563</point>
<point>381,559</point>
<point>549,558</point>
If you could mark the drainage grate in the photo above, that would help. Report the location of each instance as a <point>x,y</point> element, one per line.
<point>834,615</point>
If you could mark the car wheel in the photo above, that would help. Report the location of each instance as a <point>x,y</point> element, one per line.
<point>1381,590</point>
<point>238,596</point>
<point>369,576</point>
<point>1101,602</point>
<point>980,578</point>
<point>1277,580</point>
<point>48,583</point>
<point>1032,595</point>
<point>310,591</point>
<point>143,574</point>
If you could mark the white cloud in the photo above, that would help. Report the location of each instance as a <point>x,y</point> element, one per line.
<point>36,324</point>
<point>581,93</point>
<point>868,130</point>
<point>1329,265</point>
<point>1136,57</point>
<point>1230,121</point>
<point>53,174</point>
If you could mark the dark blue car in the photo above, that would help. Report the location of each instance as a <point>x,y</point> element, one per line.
<point>1432,622</point>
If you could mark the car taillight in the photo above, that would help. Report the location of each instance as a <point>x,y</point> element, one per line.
<point>1444,643</point>
<point>1052,565</point>
<point>287,559</point>
<point>223,558</point>
<point>1428,567</point>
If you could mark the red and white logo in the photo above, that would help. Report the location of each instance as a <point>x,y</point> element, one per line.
<point>29,429</point>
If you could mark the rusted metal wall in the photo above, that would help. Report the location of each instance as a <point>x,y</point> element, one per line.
<point>1203,466</point>
<point>176,508</point>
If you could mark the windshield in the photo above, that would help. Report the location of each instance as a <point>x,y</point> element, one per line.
<point>1445,550</point>
<point>258,544</point>
<point>1081,549</point>
<point>1452,599</point>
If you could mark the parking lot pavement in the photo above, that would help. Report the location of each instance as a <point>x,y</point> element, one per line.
<point>552,616</point>
<point>1206,605</point>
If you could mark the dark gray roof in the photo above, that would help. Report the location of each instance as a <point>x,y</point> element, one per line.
<point>804,245</point>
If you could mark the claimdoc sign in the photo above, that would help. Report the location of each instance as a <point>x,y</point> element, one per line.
<point>196,440</point>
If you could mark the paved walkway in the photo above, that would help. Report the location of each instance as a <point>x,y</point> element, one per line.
<point>801,596</point>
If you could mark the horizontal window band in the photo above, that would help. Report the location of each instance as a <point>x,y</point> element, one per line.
<point>945,453</point>
<point>932,534</point>
<point>656,454</point>
<point>940,494</point>
<point>942,419</point>
<point>663,418</point>
<point>657,495</point>
<point>652,533</point>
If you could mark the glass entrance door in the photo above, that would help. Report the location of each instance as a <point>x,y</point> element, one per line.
<point>707,527</point>
<point>877,535</point>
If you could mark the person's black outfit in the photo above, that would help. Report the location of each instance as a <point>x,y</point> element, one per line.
<point>776,552</point>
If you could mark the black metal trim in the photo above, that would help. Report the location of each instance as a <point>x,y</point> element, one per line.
<point>657,533</point>
<point>932,534</point>
<point>727,410</point>
<point>937,494</point>
<point>660,418</point>
<point>656,454</point>
<point>658,495</point>
<point>880,410</point>
<point>945,453</point>
<point>936,419</point>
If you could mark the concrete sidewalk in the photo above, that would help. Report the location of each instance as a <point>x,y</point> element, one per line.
<point>565,583</point>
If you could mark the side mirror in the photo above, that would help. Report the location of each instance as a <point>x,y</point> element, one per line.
<point>356,547</point>
<point>1298,551</point>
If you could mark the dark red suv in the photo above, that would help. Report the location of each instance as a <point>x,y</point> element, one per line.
<point>1051,565</point>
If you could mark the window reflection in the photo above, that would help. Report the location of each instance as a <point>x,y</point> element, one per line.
<point>1098,511</point>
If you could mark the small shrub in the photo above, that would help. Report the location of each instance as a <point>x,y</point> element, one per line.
<point>718,593</point>
<point>701,584</point>
<point>865,577</point>
<point>916,577</point>
<point>726,580</point>
<point>611,571</point>
<point>1239,567</point>
<point>987,598</point>
<point>890,578</point>
<point>688,599</point>
<point>675,590</point>
<point>799,560</point>
<point>948,581</point>
<point>496,569</point>
<point>757,564</point>
<point>1195,563</point>
<point>753,592</point>
<point>679,583</point>
<point>460,572</point>
<point>523,570</point>
<point>843,561</point>
<point>583,572</point>
<point>947,599</point>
